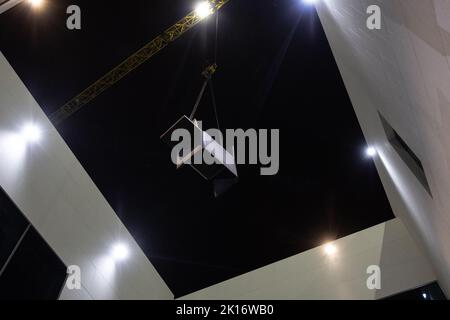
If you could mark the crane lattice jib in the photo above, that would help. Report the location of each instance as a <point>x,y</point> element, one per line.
<point>131,63</point>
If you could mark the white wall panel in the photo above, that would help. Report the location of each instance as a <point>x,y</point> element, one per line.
<point>403,72</point>
<point>314,275</point>
<point>58,197</point>
<point>8,5</point>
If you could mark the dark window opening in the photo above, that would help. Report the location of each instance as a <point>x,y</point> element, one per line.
<point>429,292</point>
<point>406,154</point>
<point>29,268</point>
<point>12,227</point>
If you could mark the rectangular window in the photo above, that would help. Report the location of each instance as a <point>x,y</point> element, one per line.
<point>429,292</point>
<point>34,272</point>
<point>29,268</point>
<point>406,154</point>
<point>12,226</point>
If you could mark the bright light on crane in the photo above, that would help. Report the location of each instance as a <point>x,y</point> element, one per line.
<point>36,3</point>
<point>204,9</point>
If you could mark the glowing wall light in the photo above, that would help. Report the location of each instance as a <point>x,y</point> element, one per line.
<point>31,133</point>
<point>330,249</point>
<point>371,152</point>
<point>36,4</point>
<point>310,2</point>
<point>119,252</point>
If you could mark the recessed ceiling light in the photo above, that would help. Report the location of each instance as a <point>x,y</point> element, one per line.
<point>119,252</point>
<point>371,152</point>
<point>36,3</point>
<point>31,133</point>
<point>330,249</point>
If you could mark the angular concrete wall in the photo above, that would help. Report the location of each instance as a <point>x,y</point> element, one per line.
<point>55,193</point>
<point>315,275</point>
<point>402,71</point>
<point>4,6</point>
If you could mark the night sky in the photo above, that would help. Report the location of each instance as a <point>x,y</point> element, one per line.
<point>276,70</point>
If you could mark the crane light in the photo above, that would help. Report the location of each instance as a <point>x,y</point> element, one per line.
<point>204,9</point>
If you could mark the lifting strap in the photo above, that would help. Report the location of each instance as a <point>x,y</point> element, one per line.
<point>199,98</point>
<point>208,73</point>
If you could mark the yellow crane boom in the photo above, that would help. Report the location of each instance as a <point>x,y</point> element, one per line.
<point>131,63</point>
